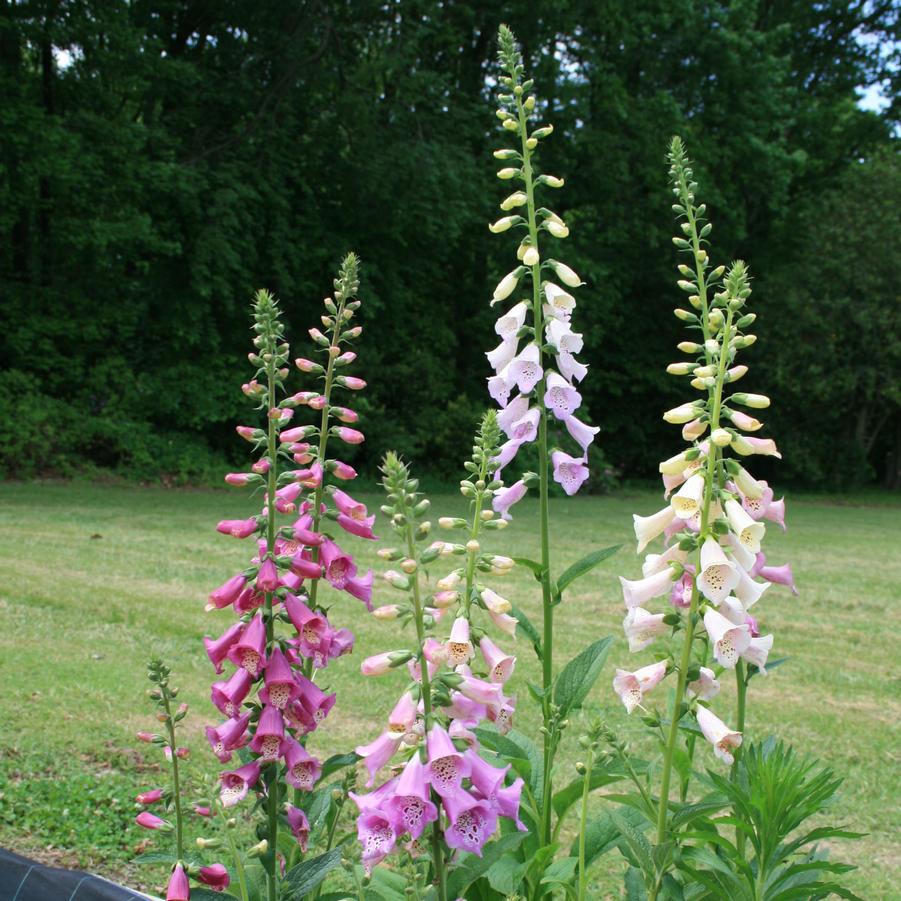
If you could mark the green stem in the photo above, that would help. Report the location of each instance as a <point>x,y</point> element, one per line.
<point>583,823</point>
<point>272,810</point>
<point>239,866</point>
<point>547,647</point>
<point>176,785</point>
<point>741,684</point>
<point>437,853</point>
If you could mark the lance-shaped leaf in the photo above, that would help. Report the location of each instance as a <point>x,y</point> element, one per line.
<point>579,675</point>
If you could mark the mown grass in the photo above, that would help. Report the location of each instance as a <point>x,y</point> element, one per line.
<point>95,579</point>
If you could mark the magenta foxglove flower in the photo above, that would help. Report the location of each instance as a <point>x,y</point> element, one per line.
<point>447,767</point>
<point>239,528</point>
<point>410,809</point>
<point>302,769</point>
<point>249,651</point>
<point>150,797</point>
<point>269,738</point>
<point>217,650</point>
<point>178,889</point>
<point>215,876</point>
<point>230,694</point>
<point>150,820</point>
<point>228,737</point>
<point>227,593</point>
<point>279,680</point>
<point>299,826</point>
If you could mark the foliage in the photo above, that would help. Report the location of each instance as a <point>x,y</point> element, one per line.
<point>162,160</point>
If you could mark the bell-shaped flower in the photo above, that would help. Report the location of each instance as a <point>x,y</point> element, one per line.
<point>269,738</point>
<point>299,826</point>
<point>570,472</point>
<point>570,368</point>
<point>525,428</point>
<point>512,413</point>
<point>216,876</point>
<point>500,712</point>
<point>378,752</point>
<point>506,623</point>
<point>631,687</point>
<point>149,820</point>
<point>505,498</point>
<point>500,386</point>
<point>705,687</point>
<point>636,592</point>
<point>234,784</point>
<point>562,337</point>
<point>560,397</point>
<point>279,679</point>
<point>228,696</point>
<point>312,627</point>
<point>581,433</point>
<point>227,593</point>
<point>560,304</point>
<point>360,587</point>
<point>479,690</point>
<point>642,628</point>
<point>729,640</point>
<point>339,566</point>
<point>228,737</point>
<point>239,528</point>
<point>507,285</point>
<point>507,801</point>
<point>686,502</point>
<point>178,889</point>
<point>249,650</point>
<point>459,647</point>
<point>748,531</point>
<point>779,575</point>
<point>775,512</point>
<point>723,739</point>
<point>718,575</point>
<point>500,665</point>
<point>503,354</point>
<point>472,823</point>
<point>755,507</point>
<point>683,589</point>
<point>647,528</point>
<point>505,454</point>
<point>217,650</point>
<point>740,554</point>
<point>313,699</point>
<point>757,652</point>
<point>654,563</point>
<point>376,837</point>
<point>302,770</point>
<point>362,528</point>
<point>447,767</point>
<point>267,577</point>
<point>411,809</point>
<point>525,370</point>
<point>486,778</point>
<point>512,321</point>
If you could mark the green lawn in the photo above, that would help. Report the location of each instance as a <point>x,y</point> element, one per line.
<point>95,579</point>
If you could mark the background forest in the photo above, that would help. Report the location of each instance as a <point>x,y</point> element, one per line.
<point>162,159</point>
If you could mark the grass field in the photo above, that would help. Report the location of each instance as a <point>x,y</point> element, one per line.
<point>93,579</point>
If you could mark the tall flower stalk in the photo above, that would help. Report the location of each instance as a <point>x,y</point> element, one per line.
<point>543,371</point>
<point>443,786</point>
<point>271,699</point>
<point>713,523</point>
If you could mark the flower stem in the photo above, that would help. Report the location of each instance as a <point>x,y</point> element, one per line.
<point>239,866</point>
<point>547,645</point>
<point>437,853</point>
<point>176,785</point>
<point>583,823</point>
<point>741,684</point>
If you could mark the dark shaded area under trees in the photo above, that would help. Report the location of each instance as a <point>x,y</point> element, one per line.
<point>161,159</point>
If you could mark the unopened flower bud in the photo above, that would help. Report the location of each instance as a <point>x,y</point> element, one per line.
<point>502,224</point>
<point>720,437</point>
<point>408,565</point>
<point>517,198</point>
<point>508,173</point>
<point>386,612</point>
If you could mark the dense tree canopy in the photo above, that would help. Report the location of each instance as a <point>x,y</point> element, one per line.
<point>161,159</point>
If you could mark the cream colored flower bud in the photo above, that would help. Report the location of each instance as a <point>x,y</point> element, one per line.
<point>704,372</point>
<point>756,401</point>
<point>511,125</point>
<point>529,105</point>
<point>486,515</point>
<point>445,599</point>
<point>531,256</point>
<point>531,143</point>
<point>720,437</point>
<point>386,612</point>
<point>736,372</point>
<point>681,414</point>
<point>408,565</point>
<point>542,132</point>
<point>716,319</point>
<point>556,229</point>
<point>505,154</point>
<point>472,545</point>
<point>494,603</point>
<point>502,114</point>
<point>566,275</point>
<point>712,346</point>
<point>552,181</point>
<point>680,368</point>
<point>502,224</point>
<point>449,582</point>
<point>517,198</point>
<point>702,384</point>
<point>688,347</point>
<point>508,173</point>
<point>701,256</point>
<point>506,286</point>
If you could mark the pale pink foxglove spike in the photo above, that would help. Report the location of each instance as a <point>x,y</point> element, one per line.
<point>500,712</point>
<point>472,823</point>
<point>723,739</point>
<point>729,641</point>
<point>706,686</point>
<point>486,778</point>
<point>500,386</point>
<point>757,652</point>
<point>637,591</point>
<point>718,575</point>
<point>560,304</point>
<point>647,528</point>
<point>506,623</point>
<point>302,770</point>
<point>747,590</point>
<point>631,687</point>
<point>478,689</point>
<point>581,433</point>
<point>512,413</point>
<point>459,647</point>
<point>500,665</point>
<point>503,354</point>
<point>234,784</point>
<point>654,563</point>
<point>687,501</point>
<point>378,752</point>
<point>525,370</point>
<point>775,512</point>
<point>683,588</point>
<point>570,368</point>
<point>507,497</point>
<point>569,472</point>
<point>747,530</point>
<point>642,628</point>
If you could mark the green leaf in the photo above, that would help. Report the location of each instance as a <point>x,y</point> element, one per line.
<point>603,773</point>
<point>561,871</point>
<point>637,844</point>
<point>524,625</point>
<point>309,873</point>
<point>506,875</point>
<point>537,568</point>
<point>517,749</point>
<point>470,867</point>
<point>337,762</point>
<point>584,566</point>
<point>149,857</point>
<point>602,834</point>
<point>198,893</point>
<point>579,675</point>
<point>634,885</point>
